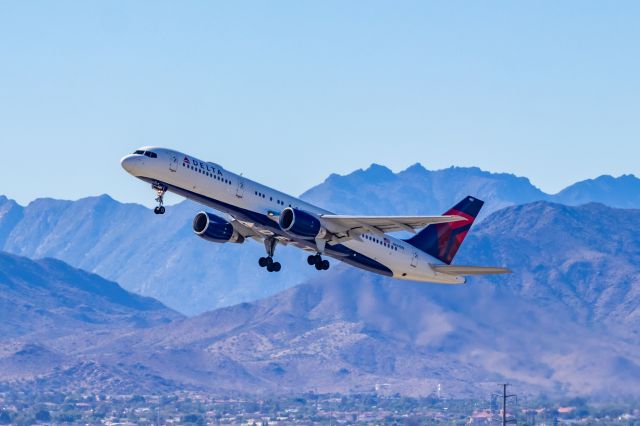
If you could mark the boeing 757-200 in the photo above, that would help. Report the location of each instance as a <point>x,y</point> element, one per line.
<point>265,215</point>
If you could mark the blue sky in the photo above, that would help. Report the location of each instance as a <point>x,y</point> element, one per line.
<point>289,92</point>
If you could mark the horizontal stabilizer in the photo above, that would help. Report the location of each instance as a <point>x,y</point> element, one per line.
<point>469,270</point>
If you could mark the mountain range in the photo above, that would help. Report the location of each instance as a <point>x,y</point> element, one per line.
<point>160,257</point>
<point>49,311</point>
<point>567,321</point>
<point>416,190</point>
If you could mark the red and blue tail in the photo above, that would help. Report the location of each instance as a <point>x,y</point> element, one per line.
<point>443,240</point>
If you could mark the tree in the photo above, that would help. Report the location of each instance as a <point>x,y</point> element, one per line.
<point>194,419</point>
<point>43,416</point>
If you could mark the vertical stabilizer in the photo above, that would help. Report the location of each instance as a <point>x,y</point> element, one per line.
<point>443,240</point>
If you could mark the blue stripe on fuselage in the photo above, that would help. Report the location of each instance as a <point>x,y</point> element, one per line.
<point>338,251</point>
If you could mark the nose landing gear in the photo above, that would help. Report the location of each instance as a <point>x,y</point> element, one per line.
<point>160,191</point>
<point>317,261</point>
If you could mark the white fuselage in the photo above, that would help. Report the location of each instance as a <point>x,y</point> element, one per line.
<point>211,185</point>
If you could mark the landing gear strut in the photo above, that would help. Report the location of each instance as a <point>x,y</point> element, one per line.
<point>160,191</point>
<point>317,261</point>
<point>267,262</point>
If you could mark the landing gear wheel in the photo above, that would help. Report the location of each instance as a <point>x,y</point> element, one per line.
<point>156,210</point>
<point>318,262</point>
<point>270,245</point>
<point>161,210</point>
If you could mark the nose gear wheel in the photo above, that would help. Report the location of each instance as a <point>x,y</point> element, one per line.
<point>160,191</point>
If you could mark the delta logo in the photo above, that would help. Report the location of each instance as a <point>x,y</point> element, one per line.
<point>202,166</point>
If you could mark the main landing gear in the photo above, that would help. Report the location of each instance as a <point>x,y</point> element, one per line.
<point>320,264</point>
<point>267,262</point>
<point>160,191</point>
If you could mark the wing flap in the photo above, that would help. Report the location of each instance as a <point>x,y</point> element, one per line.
<point>469,270</point>
<point>383,224</point>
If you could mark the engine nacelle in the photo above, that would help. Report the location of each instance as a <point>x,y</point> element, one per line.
<point>216,229</point>
<point>300,223</point>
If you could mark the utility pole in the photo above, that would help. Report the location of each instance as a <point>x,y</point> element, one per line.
<point>504,405</point>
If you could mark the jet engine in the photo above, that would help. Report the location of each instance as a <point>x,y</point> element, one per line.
<point>300,223</point>
<point>215,229</point>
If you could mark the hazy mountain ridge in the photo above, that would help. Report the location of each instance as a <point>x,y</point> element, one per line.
<point>151,255</point>
<point>416,190</point>
<point>566,321</point>
<point>162,258</point>
<point>620,192</point>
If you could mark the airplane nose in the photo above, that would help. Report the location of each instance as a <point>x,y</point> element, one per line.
<point>130,163</point>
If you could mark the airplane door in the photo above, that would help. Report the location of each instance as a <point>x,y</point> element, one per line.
<point>173,164</point>
<point>414,259</point>
<point>240,188</point>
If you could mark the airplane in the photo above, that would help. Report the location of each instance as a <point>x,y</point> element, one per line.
<point>266,215</point>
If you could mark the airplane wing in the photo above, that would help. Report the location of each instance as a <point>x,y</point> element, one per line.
<point>469,270</point>
<point>355,225</point>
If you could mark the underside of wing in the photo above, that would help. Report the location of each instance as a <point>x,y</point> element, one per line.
<point>351,225</point>
<point>258,233</point>
<point>470,270</point>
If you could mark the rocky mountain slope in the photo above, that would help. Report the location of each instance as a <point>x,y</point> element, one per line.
<point>50,311</point>
<point>566,321</point>
<point>48,296</point>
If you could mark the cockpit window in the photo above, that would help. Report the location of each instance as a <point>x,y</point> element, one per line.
<point>139,152</point>
<point>151,154</point>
